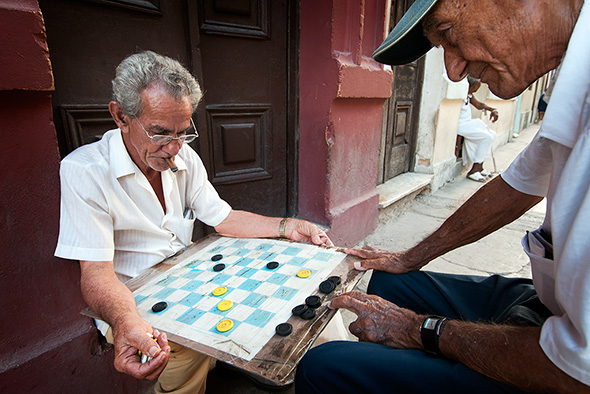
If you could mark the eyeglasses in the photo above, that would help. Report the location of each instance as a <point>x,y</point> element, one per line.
<point>161,139</point>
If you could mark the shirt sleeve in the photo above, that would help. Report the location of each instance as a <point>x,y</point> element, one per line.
<point>86,227</point>
<point>530,172</point>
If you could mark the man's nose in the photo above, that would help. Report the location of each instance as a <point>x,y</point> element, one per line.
<point>455,64</point>
<point>172,147</point>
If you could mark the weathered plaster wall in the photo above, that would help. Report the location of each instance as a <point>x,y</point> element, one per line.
<point>47,346</point>
<point>342,92</point>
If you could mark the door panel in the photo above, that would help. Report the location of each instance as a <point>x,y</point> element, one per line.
<point>87,40</point>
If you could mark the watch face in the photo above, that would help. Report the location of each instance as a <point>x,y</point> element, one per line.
<point>430,323</point>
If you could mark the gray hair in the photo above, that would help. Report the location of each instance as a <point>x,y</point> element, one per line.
<point>143,70</point>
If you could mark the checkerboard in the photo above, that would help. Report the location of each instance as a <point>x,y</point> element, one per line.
<point>262,298</point>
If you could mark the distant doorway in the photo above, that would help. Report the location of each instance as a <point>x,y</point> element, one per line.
<point>400,119</point>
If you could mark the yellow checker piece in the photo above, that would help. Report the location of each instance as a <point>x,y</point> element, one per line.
<point>225,325</point>
<point>304,273</point>
<point>219,291</point>
<point>225,305</point>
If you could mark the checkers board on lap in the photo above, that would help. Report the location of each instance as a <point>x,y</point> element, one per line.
<point>261,297</point>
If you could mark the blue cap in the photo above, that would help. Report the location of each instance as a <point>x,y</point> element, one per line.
<point>406,42</point>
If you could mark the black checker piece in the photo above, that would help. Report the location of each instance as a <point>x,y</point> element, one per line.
<point>313,301</point>
<point>308,314</point>
<point>327,286</point>
<point>284,329</point>
<point>159,306</point>
<point>299,309</point>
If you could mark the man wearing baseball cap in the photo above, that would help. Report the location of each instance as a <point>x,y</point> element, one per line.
<point>425,332</point>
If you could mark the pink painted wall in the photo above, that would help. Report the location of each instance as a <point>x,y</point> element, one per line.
<point>47,346</point>
<point>342,92</point>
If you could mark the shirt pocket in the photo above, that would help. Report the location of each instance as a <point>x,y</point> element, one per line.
<point>184,231</point>
<point>543,270</point>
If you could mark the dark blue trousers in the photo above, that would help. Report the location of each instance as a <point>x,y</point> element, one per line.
<point>359,367</point>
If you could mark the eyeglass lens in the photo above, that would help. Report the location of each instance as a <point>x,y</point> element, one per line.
<point>160,139</point>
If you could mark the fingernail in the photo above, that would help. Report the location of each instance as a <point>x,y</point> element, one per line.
<point>358,266</point>
<point>154,350</point>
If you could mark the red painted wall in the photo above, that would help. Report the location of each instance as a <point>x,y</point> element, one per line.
<point>342,92</point>
<point>47,346</point>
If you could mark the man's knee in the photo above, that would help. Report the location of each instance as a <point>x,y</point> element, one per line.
<point>320,369</point>
<point>385,284</point>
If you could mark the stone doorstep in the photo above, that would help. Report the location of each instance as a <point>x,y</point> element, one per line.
<point>402,186</point>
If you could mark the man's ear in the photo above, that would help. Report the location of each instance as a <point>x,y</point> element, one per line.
<point>119,117</point>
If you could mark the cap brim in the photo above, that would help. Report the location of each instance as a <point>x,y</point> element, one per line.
<point>406,42</point>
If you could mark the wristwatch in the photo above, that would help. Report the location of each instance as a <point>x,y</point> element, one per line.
<point>429,333</point>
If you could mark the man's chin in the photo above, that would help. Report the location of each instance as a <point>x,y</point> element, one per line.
<point>159,165</point>
<point>506,93</point>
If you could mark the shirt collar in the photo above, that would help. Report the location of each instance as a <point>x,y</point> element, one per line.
<point>122,164</point>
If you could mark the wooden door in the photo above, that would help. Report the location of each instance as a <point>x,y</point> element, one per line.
<point>400,123</point>
<point>249,112</point>
<point>240,50</point>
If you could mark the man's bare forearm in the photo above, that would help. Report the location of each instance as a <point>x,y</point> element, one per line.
<point>106,295</point>
<point>248,224</point>
<point>509,354</point>
<point>490,208</point>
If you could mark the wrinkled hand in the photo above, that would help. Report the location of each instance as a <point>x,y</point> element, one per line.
<point>304,231</point>
<point>131,335</point>
<point>380,260</point>
<point>494,115</point>
<point>380,321</point>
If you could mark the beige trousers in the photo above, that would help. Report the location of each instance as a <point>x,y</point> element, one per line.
<point>185,373</point>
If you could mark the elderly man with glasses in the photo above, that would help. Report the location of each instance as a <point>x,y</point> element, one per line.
<point>123,211</point>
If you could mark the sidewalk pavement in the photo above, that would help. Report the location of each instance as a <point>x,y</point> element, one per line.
<point>498,253</point>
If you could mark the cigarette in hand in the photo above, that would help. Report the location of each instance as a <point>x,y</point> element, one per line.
<point>171,164</point>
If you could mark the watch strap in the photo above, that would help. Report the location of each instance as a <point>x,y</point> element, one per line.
<point>282,226</point>
<point>430,332</point>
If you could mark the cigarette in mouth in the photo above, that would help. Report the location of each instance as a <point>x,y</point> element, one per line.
<point>171,164</point>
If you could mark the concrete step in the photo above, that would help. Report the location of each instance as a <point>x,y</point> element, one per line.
<point>397,194</point>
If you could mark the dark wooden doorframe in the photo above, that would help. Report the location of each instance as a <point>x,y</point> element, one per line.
<point>292,158</point>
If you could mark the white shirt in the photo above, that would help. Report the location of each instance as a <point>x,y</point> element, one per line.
<point>110,212</point>
<point>557,164</point>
